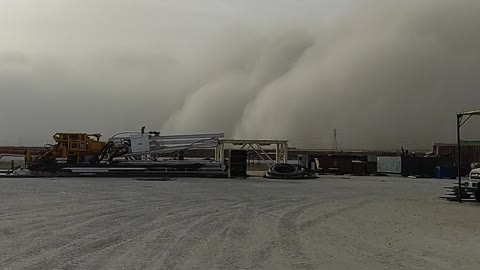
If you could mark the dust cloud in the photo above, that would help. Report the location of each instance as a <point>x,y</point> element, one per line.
<point>385,74</point>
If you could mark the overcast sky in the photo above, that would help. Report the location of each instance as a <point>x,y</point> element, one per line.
<point>385,73</point>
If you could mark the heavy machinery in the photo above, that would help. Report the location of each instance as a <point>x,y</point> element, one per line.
<point>125,154</point>
<point>70,148</point>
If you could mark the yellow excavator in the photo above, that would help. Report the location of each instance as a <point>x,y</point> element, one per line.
<point>70,148</point>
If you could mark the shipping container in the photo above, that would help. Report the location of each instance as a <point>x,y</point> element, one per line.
<point>343,164</point>
<point>372,167</point>
<point>419,166</point>
<point>470,152</point>
<point>389,165</point>
<point>412,166</point>
<point>325,162</point>
<point>445,172</point>
<point>359,168</point>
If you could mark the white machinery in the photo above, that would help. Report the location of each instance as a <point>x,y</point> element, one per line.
<point>153,143</point>
<point>152,154</point>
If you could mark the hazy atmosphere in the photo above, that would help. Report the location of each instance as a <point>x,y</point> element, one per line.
<point>384,73</point>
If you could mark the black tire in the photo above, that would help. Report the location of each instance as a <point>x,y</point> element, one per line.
<point>285,171</point>
<point>476,194</point>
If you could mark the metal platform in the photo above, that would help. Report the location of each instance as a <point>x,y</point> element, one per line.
<point>260,147</point>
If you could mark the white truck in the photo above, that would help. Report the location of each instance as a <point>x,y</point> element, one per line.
<point>473,184</point>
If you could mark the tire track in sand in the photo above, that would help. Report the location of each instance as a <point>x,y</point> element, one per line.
<point>290,242</point>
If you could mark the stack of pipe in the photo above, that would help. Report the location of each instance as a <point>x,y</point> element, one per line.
<point>161,144</point>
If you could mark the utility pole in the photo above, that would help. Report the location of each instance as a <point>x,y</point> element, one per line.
<point>459,157</point>
<point>335,142</point>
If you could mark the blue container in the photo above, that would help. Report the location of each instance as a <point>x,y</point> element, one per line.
<point>445,172</point>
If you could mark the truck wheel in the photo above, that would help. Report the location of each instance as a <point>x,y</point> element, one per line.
<point>476,193</point>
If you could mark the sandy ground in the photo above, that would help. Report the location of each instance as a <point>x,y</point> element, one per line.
<point>330,223</point>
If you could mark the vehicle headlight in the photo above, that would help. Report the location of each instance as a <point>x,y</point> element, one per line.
<point>475,175</point>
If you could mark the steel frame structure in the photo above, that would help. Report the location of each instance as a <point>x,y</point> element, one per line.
<point>160,144</point>
<point>257,146</point>
<point>460,122</point>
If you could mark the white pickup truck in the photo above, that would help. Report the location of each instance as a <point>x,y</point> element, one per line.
<point>473,185</point>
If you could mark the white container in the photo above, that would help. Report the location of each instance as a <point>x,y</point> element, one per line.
<point>389,165</point>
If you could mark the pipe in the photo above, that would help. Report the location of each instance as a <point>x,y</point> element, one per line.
<point>459,159</point>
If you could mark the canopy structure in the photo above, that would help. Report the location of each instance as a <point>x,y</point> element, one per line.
<point>462,118</point>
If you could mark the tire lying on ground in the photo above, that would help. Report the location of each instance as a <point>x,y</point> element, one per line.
<point>287,171</point>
